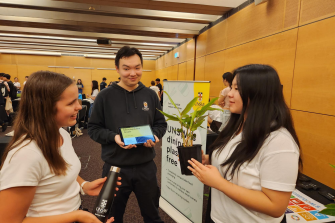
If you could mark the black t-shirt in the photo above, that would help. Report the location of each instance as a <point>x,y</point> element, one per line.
<point>12,90</point>
<point>102,85</point>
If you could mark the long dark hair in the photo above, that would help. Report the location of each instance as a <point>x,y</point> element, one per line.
<point>228,77</point>
<point>261,93</point>
<point>80,81</point>
<point>95,85</point>
<point>36,117</point>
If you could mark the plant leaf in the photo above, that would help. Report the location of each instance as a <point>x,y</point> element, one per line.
<point>332,206</point>
<point>207,106</point>
<point>332,165</point>
<point>193,116</point>
<point>189,106</point>
<point>328,211</point>
<point>172,101</point>
<point>213,109</point>
<point>170,117</point>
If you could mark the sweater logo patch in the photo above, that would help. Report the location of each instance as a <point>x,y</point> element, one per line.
<point>145,106</point>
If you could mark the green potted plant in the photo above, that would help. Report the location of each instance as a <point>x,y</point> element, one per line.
<point>189,123</point>
<point>330,208</point>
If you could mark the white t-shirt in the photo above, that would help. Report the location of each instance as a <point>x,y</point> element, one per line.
<point>224,93</point>
<point>94,94</point>
<point>17,84</point>
<point>215,115</point>
<point>54,194</point>
<point>24,83</point>
<point>156,89</point>
<point>274,167</point>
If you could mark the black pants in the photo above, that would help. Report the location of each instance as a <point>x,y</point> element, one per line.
<point>142,180</point>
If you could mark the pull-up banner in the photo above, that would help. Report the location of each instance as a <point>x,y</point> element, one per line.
<point>181,195</point>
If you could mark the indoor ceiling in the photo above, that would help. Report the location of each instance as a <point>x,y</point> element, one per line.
<point>73,26</point>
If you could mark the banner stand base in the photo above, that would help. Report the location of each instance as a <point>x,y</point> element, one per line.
<point>172,212</point>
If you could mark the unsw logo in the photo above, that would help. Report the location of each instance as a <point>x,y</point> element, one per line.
<point>199,102</point>
<point>200,96</point>
<point>145,106</point>
<point>101,209</point>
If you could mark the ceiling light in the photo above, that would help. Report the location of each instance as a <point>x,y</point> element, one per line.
<point>30,52</point>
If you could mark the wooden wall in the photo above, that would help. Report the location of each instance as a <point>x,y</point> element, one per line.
<point>24,65</point>
<point>296,37</point>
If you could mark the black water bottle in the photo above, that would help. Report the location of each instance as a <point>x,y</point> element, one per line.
<point>106,195</point>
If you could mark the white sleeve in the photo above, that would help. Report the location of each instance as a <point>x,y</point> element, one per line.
<point>19,85</point>
<point>279,171</point>
<point>95,92</point>
<point>24,169</point>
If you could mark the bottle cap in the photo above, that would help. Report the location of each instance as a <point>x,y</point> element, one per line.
<point>115,169</point>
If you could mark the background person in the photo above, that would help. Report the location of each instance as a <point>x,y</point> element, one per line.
<point>103,84</point>
<point>158,84</point>
<point>133,104</point>
<point>39,179</point>
<point>155,89</point>
<point>26,79</point>
<point>17,83</point>
<point>94,93</point>
<point>80,86</point>
<point>223,100</point>
<point>256,158</point>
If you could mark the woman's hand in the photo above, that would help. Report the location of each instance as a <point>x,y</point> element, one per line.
<point>205,158</point>
<point>93,188</point>
<point>207,174</point>
<point>87,217</point>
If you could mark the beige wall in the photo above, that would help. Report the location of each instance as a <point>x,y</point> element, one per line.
<point>24,65</point>
<point>296,37</point>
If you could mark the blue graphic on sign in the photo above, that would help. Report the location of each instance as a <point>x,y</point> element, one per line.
<point>318,215</point>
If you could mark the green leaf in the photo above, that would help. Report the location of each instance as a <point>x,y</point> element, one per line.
<point>189,106</point>
<point>332,165</point>
<point>213,109</point>
<point>193,116</point>
<point>170,117</point>
<point>172,101</point>
<point>206,195</point>
<point>207,106</point>
<point>328,211</point>
<point>330,206</point>
<point>198,123</point>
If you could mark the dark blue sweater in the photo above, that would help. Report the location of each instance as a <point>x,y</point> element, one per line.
<point>116,107</point>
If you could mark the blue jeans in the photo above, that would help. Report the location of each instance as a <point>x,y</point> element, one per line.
<point>90,111</point>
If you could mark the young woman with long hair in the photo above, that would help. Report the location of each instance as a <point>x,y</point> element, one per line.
<point>94,94</point>
<point>255,160</point>
<point>39,170</point>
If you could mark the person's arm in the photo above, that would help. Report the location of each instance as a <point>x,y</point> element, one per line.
<point>221,99</point>
<point>93,188</point>
<point>15,202</point>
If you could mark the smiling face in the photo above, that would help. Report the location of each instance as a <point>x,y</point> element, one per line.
<point>235,100</point>
<point>68,107</point>
<point>130,70</point>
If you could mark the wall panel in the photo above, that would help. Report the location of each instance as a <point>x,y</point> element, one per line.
<point>317,139</point>
<point>190,50</point>
<point>149,65</point>
<point>200,69</point>
<point>110,75</point>
<point>313,10</point>
<point>314,79</point>
<point>182,71</point>
<point>214,68</point>
<point>216,37</point>
<point>73,61</point>
<point>7,59</point>
<point>147,77</point>
<point>10,69</point>
<point>278,51</point>
<point>27,70</point>
<point>36,60</point>
<point>292,12</point>
<point>254,22</point>
<point>83,74</point>
<point>102,63</point>
<point>201,44</point>
<point>190,70</point>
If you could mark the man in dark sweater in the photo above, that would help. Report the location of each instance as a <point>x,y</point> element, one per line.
<point>125,104</point>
